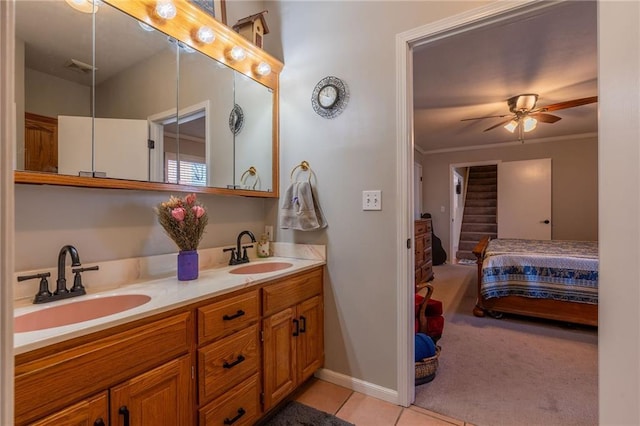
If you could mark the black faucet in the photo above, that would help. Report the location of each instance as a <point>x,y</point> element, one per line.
<point>236,258</point>
<point>61,282</point>
<point>61,292</point>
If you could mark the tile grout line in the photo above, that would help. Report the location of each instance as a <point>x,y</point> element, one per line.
<point>344,403</point>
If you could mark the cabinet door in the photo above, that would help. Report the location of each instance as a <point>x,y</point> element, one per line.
<point>160,397</point>
<point>310,342</point>
<point>93,411</point>
<point>279,356</point>
<point>40,143</point>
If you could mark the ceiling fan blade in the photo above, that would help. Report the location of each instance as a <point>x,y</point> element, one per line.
<point>488,116</point>
<point>545,118</point>
<point>497,125</point>
<point>569,104</point>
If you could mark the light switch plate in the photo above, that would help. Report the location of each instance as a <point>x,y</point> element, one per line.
<point>372,200</point>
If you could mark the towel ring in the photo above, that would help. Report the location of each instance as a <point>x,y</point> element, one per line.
<point>250,172</point>
<point>304,166</point>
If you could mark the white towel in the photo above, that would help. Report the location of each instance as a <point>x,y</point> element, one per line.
<point>300,210</point>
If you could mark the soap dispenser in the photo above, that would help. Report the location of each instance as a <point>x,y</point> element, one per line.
<point>263,246</point>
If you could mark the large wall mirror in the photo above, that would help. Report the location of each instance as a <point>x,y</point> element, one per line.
<point>114,99</point>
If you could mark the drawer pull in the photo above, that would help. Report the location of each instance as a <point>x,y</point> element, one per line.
<point>125,414</point>
<point>234,316</point>
<point>234,363</point>
<point>229,421</point>
<point>296,331</point>
<point>99,422</point>
<point>303,322</point>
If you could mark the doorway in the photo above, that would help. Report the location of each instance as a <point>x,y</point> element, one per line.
<point>405,43</point>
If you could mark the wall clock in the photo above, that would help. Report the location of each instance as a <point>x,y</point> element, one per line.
<point>330,97</point>
<point>236,119</point>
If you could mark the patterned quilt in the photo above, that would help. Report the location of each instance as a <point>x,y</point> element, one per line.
<point>554,269</point>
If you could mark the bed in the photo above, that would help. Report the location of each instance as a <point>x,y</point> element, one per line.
<point>556,280</point>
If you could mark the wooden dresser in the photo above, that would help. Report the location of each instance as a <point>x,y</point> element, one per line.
<point>424,264</point>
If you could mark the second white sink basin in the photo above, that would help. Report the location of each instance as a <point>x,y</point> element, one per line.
<point>76,312</point>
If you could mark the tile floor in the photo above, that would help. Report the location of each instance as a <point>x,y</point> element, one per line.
<point>364,410</point>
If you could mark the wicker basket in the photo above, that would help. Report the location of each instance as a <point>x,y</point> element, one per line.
<point>426,369</point>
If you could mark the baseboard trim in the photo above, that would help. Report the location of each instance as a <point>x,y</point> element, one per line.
<point>358,385</point>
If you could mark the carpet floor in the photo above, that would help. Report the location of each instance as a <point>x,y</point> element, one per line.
<point>511,371</point>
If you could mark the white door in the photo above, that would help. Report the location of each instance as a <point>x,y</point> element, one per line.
<point>457,209</point>
<point>524,199</point>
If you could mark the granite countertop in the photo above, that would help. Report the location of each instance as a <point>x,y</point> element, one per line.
<point>166,294</point>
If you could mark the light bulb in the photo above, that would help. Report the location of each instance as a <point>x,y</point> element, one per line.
<point>529,124</point>
<point>237,53</point>
<point>263,68</point>
<point>511,126</point>
<point>166,9</point>
<point>84,6</point>
<point>145,27</point>
<point>206,35</point>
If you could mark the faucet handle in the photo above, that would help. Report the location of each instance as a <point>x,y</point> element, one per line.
<point>233,260</point>
<point>43,292</point>
<point>244,252</point>
<point>78,288</point>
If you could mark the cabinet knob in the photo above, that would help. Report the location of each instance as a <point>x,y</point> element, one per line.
<point>238,314</point>
<point>234,363</point>
<point>99,422</point>
<point>296,330</point>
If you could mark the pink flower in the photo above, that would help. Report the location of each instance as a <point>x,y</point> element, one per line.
<point>178,214</point>
<point>190,199</point>
<point>198,211</point>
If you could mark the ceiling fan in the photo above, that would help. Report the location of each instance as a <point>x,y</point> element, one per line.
<point>525,116</point>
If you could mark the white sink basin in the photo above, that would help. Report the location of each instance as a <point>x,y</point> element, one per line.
<point>76,312</point>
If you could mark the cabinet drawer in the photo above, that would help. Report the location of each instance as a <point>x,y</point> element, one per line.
<point>227,362</point>
<point>428,226</point>
<point>229,315</point>
<point>240,407</point>
<point>49,383</point>
<point>420,228</point>
<point>419,245</point>
<point>427,271</point>
<point>290,291</point>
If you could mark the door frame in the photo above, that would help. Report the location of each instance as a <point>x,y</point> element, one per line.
<point>405,42</point>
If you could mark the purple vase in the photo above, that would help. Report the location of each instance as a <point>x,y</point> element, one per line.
<point>187,265</point>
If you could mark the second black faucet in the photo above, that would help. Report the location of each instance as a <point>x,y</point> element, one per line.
<point>236,257</point>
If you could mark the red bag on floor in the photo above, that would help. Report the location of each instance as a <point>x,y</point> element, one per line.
<point>429,319</point>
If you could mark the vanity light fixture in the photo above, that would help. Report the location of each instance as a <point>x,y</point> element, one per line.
<point>237,53</point>
<point>263,69</point>
<point>166,9</point>
<point>84,6</point>
<point>206,35</point>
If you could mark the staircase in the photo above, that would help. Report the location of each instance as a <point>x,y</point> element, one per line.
<point>480,208</point>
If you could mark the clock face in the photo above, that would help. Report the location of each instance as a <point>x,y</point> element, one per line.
<point>328,96</point>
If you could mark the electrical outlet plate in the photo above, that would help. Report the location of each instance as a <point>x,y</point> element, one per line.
<point>372,200</point>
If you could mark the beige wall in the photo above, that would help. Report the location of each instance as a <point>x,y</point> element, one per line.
<point>574,186</point>
<point>353,152</point>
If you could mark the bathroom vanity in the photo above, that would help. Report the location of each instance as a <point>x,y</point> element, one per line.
<point>224,349</point>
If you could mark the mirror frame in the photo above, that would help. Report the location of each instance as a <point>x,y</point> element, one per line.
<point>183,27</point>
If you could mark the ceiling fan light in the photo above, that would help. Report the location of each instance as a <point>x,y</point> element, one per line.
<point>511,126</point>
<point>529,124</point>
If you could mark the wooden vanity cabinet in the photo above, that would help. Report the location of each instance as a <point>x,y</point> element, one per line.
<point>229,360</point>
<point>293,333</point>
<point>59,381</point>
<point>251,348</point>
<point>93,411</point>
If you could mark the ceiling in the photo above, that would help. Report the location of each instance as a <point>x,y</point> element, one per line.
<point>551,52</point>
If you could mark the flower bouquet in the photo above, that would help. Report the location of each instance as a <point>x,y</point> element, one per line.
<point>184,220</point>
